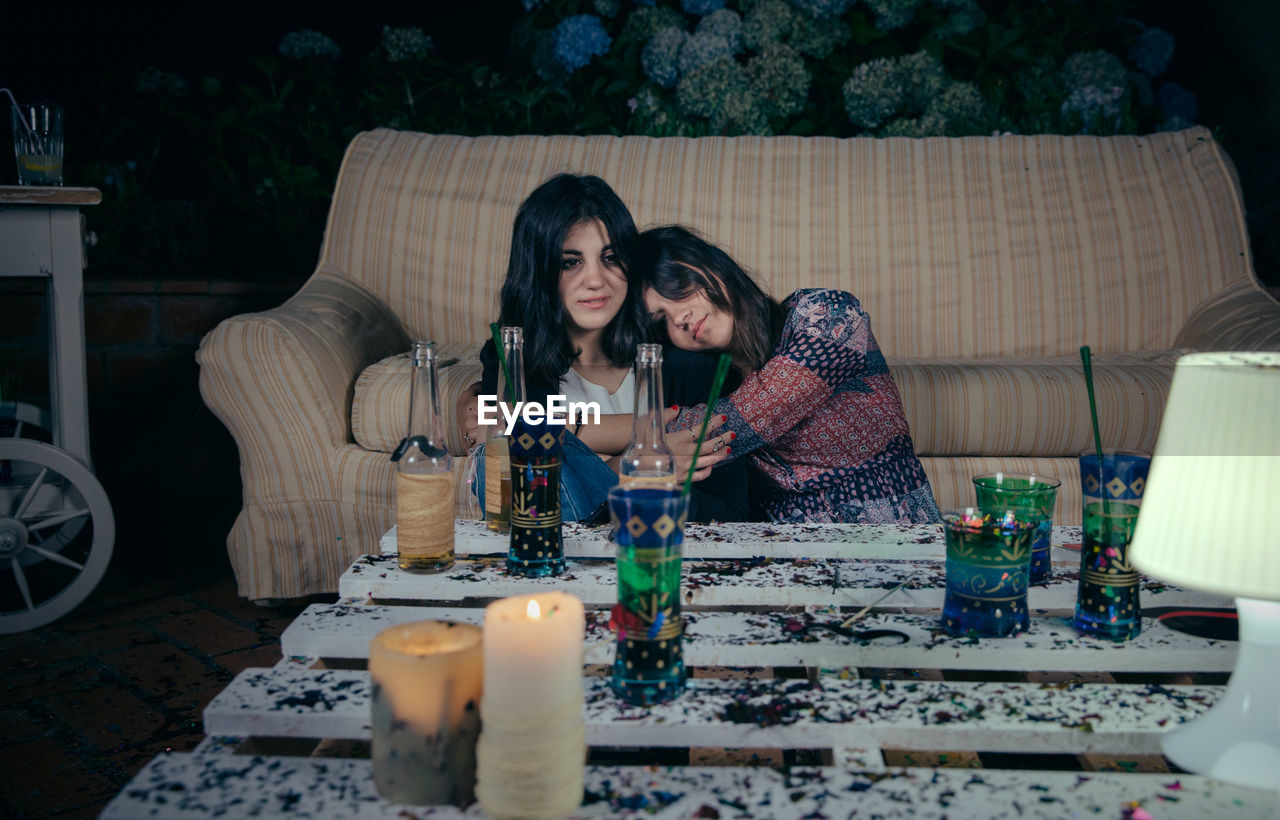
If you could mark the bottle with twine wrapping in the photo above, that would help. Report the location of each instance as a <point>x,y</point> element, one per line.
<point>424,474</point>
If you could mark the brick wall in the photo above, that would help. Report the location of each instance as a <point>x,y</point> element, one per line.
<point>169,467</point>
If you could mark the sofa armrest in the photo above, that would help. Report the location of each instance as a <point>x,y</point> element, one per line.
<point>1241,317</point>
<point>282,380</point>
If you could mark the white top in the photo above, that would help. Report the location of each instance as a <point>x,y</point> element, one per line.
<point>622,400</point>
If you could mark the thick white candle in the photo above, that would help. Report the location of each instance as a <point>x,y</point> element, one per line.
<point>532,747</point>
<point>533,662</point>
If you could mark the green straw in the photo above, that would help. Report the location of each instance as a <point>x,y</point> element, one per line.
<point>502,359</point>
<point>722,368</point>
<point>1086,358</point>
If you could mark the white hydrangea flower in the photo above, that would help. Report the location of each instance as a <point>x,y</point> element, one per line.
<point>299,45</point>
<point>404,44</point>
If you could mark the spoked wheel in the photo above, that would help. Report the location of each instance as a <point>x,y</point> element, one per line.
<point>43,573</point>
<point>35,423</point>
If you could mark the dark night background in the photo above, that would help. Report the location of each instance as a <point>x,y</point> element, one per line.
<point>147,419</point>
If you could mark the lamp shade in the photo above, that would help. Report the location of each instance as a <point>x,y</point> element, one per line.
<point>1211,510</point>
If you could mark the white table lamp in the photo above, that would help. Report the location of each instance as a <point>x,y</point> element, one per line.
<point>1210,520</point>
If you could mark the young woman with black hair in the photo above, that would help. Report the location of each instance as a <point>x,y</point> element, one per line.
<point>567,286</point>
<point>816,412</point>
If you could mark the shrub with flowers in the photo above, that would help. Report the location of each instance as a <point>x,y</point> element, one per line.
<point>854,67</point>
<point>262,141</point>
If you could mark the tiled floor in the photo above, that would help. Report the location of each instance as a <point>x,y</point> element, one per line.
<point>91,698</point>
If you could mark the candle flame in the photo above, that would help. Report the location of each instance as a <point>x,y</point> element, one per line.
<point>533,611</point>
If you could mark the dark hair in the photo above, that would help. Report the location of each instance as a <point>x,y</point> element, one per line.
<point>676,263</point>
<point>531,295</point>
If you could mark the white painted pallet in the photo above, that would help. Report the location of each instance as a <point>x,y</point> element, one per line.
<point>747,540</point>
<point>343,630</point>
<point>191,786</point>
<point>290,701</point>
<point>750,582</point>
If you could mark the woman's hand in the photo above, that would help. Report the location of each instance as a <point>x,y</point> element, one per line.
<point>468,418</point>
<point>682,442</point>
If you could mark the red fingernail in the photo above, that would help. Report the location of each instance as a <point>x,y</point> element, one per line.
<point>732,436</point>
<point>728,450</point>
<point>675,407</point>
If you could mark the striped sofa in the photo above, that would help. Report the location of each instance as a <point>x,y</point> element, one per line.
<point>985,263</point>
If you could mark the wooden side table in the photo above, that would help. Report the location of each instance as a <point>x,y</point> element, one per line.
<point>54,514</point>
<point>42,236</point>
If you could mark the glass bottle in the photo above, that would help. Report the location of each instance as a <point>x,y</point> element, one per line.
<point>497,453</point>
<point>535,548</point>
<point>647,461</point>
<point>424,473</point>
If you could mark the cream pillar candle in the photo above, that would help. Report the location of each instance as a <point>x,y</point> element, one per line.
<point>426,678</point>
<point>531,752</point>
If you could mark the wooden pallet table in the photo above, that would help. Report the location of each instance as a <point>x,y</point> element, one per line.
<point>292,740</point>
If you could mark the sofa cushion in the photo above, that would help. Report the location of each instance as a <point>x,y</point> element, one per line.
<point>380,405</point>
<point>972,407</point>
<point>1034,408</point>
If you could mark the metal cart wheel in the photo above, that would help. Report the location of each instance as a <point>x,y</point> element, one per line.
<point>43,575</point>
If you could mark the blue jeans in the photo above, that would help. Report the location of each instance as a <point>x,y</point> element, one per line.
<point>585,480</point>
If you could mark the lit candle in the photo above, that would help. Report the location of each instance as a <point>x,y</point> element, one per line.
<point>532,748</point>
<point>426,679</point>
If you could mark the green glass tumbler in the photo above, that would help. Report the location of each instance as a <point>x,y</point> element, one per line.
<point>1033,498</point>
<point>648,531</point>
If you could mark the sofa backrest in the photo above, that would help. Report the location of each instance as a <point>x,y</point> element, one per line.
<point>970,247</point>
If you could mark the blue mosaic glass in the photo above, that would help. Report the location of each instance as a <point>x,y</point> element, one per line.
<point>536,547</point>
<point>988,570</point>
<point>648,531</point>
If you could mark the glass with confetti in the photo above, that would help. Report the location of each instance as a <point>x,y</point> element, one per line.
<point>648,531</point>
<point>988,568</point>
<point>536,546</point>
<point>1107,604</point>
<point>1032,497</point>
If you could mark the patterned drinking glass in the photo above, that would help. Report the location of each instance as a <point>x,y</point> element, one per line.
<point>648,530</point>
<point>536,547</point>
<point>988,565</point>
<point>1107,603</point>
<point>1031,496</point>
<point>1123,476</point>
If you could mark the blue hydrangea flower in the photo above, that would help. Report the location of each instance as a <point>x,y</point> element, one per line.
<point>873,93</point>
<point>779,81</point>
<point>1099,68</point>
<point>922,77</point>
<point>578,38</point>
<point>300,45</point>
<point>661,55</point>
<point>822,9</point>
<point>964,18</point>
<point>646,21</point>
<point>1176,101</point>
<point>404,44</point>
<point>891,15</point>
<point>959,107</point>
<point>818,38</point>
<point>723,23</point>
<point>701,7</point>
<point>530,5</point>
<point>1152,51</point>
<point>607,8</point>
<point>1174,124</point>
<point>1094,104</point>
<point>768,21</point>
<point>700,49</point>
<point>151,80</point>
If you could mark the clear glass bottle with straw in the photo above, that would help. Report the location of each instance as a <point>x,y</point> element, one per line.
<point>647,461</point>
<point>497,452</point>
<point>424,473</point>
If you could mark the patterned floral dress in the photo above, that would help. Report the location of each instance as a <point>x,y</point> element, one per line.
<point>822,422</point>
